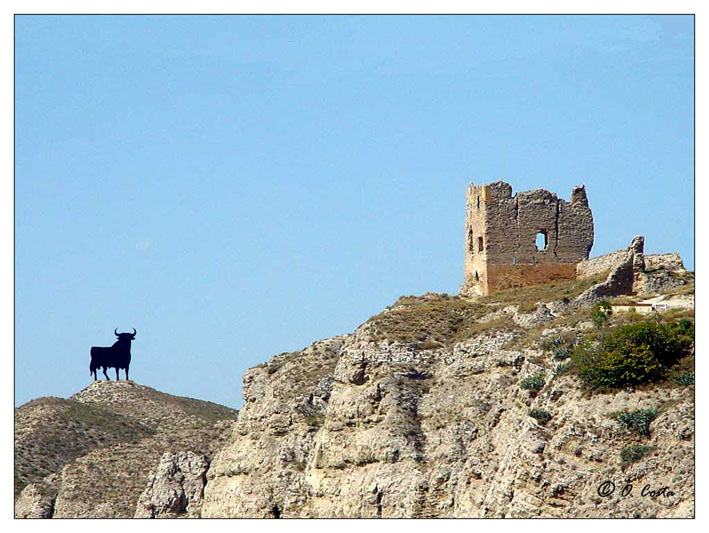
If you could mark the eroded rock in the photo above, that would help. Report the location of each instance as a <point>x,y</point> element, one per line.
<point>175,488</point>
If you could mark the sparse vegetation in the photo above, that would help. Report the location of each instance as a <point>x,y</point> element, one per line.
<point>561,346</point>
<point>685,379</point>
<point>439,320</point>
<point>637,421</point>
<point>632,454</point>
<point>563,353</point>
<point>553,342</point>
<point>561,369</point>
<point>114,416</point>
<point>600,313</point>
<point>430,321</point>
<point>275,364</point>
<point>68,430</point>
<point>527,297</point>
<point>533,383</point>
<point>686,289</point>
<point>540,415</point>
<point>314,420</point>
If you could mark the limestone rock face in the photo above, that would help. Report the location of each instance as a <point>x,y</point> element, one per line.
<point>366,426</point>
<point>37,499</point>
<point>424,411</point>
<point>175,488</point>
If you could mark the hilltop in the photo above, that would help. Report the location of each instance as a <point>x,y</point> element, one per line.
<point>90,455</point>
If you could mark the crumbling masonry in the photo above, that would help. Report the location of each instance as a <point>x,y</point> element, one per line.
<point>534,237</point>
<point>530,238</point>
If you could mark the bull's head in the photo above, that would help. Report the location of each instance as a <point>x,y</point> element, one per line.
<point>125,336</point>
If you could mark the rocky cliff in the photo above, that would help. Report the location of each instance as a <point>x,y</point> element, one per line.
<point>440,406</point>
<point>423,412</point>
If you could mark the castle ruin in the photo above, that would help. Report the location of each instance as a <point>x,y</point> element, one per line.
<point>531,238</point>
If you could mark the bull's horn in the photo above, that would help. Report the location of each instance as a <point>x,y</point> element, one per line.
<point>116,332</point>
<point>134,332</point>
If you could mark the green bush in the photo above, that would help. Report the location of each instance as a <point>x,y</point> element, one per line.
<point>560,370</point>
<point>314,420</point>
<point>685,379</point>
<point>686,325</point>
<point>667,342</point>
<point>554,342</point>
<point>632,454</point>
<point>600,313</point>
<point>637,421</point>
<point>562,353</point>
<point>533,383</point>
<point>632,354</point>
<point>540,415</point>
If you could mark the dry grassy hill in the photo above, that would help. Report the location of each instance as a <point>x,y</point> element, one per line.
<point>51,432</point>
<point>90,455</point>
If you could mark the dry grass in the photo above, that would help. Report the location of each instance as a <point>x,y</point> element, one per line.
<point>683,290</point>
<point>431,320</point>
<point>51,433</point>
<point>527,297</point>
<point>439,320</point>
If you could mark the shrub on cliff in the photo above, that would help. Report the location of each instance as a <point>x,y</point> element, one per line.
<point>540,415</point>
<point>685,379</point>
<point>632,354</point>
<point>533,383</point>
<point>632,454</point>
<point>600,313</point>
<point>637,421</point>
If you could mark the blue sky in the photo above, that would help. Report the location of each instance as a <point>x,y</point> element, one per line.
<point>237,187</point>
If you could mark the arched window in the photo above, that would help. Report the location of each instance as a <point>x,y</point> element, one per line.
<point>477,278</point>
<point>541,241</point>
<point>480,244</point>
<point>478,202</point>
<point>471,241</point>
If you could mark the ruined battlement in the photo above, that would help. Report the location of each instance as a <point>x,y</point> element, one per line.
<point>530,238</point>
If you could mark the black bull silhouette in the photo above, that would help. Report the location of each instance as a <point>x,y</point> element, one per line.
<point>116,356</point>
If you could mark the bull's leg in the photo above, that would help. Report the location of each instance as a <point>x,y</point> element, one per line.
<point>117,378</point>
<point>94,374</point>
<point>126,373</point>
<point>104,373</point>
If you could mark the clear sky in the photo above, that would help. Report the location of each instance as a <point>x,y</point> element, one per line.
<point>237,187</point>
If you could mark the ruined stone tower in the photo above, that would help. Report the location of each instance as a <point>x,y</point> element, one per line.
<point>530,238</point>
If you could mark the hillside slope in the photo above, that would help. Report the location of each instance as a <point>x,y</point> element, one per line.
<point>51,432</point>
<point>440,406</point>
<point>91,455</point>
<point>450,407</point>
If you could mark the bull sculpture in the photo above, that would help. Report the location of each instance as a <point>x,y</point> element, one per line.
<point>116,356</point>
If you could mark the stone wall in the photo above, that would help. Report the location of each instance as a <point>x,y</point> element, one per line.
<point>475,270</point>
<point>589,268</point>
<point>626,273</point>
<point>501,230</point>
<point>501,277</point>
<point>671,262</point>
